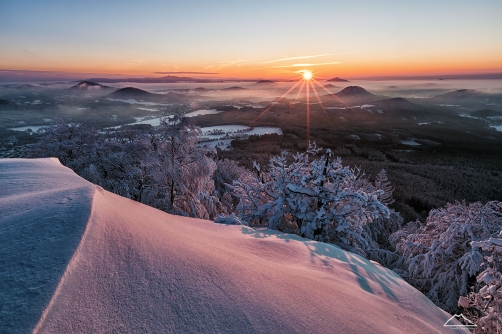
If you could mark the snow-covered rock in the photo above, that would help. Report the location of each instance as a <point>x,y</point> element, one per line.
<point>76,258</point>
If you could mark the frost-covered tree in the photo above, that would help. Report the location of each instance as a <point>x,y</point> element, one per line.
<point>162,167</point>
<point>379,232</point>
<point>438,257</point>
<point>318,199</point>
<point>71,143</point>
<point>484,304</point>
<point>383,183</point>
<point>227,171</point>
<point>183,171</point>
<point>122,163</point>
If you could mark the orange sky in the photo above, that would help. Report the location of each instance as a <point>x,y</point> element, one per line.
<point>253,39</point>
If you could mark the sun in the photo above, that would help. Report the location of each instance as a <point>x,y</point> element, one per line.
<point>307,75</point>
<point>307,84</point>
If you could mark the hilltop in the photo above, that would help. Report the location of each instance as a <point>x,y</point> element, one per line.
<point>131,93</point>
<point>123,266</point>
<point>337,79</point>
<point>89,85</point>
<point>461,93</point>
<point>397,103</point>
<point>353,92</point>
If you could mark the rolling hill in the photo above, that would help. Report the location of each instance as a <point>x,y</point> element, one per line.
<point>337,79</point>
<point>353,92</point>
<point>132,93</point>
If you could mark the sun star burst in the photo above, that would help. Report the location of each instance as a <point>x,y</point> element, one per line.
<point>307,75</point>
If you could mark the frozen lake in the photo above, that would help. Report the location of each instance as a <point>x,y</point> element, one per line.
<point>202,112</point>
<point>155,121</point>
<point>222,135</point>
<point>33,128</point>
<point>497,127</point>
<point>410,143</point>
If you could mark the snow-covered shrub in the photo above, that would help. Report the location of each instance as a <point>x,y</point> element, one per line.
<point>231,219</point>
<point>438,257</point>
<point>227,171</point>
<point>379,232</point>
<point>485,302</point>
<point>71,143</point>
<point>318,199</point>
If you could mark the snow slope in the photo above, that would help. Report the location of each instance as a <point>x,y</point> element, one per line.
<point>136,269</point>
<point>44,210</point>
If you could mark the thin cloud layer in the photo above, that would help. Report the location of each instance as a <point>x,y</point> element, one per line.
<point>294,58</point>
<point>186,72</point>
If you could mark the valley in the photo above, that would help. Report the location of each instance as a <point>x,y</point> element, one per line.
<point>428,146</point>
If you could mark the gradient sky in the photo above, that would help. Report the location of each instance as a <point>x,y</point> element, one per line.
<point>252,38</point>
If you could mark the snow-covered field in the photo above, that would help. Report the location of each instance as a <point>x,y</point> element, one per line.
<point>76,258</point>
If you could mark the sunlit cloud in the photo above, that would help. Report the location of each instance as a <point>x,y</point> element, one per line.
<point>135,62</point>
<point>297,65</point>
<point>308,65</point>
<point>228,63</point>
<point>294,58</point>
<point>233,62</point>
<point>185,72</point>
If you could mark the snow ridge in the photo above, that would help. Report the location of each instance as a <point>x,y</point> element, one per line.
<point>138,269</point>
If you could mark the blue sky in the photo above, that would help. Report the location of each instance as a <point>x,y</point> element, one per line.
<point>361,37</point>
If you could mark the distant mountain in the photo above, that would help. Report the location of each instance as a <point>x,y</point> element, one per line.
<point>396,103</point>
<point>461,93</point>
<point>21,86</point>
<point>139,94</point>
<point>337,79</point>
<point>235,88</point>
<point>86,85</point>
<point>265,82</point>
<point>166,79</point>
<point>89,87</point>
<point>330,86</point>
<point>132,93</point>
<point>353,92</point>
<point>200,89</point>
<point>486,113</point>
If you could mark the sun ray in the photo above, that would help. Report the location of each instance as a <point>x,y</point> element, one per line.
<point>276,101</point>
<point>308,115</point>
<point>297,95</point>
<point>321,104</point>
<point>299,91</point>
<point>316,94</point>
<point>331,94</point>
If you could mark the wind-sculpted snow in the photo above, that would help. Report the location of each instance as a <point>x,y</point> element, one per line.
<point>140,270</point>
<point>44,209</point>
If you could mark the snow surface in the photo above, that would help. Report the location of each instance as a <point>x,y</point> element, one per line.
<point>76,258</point>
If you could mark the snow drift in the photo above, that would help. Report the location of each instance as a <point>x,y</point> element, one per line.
<point>76,258</point>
